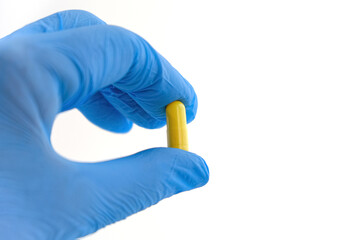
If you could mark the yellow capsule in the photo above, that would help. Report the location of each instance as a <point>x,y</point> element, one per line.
<point>176,126</point>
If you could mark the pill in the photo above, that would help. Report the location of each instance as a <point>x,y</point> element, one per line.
<point>177,136</point>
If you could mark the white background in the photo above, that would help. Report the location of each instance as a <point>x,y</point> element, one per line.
<point>278,120</point>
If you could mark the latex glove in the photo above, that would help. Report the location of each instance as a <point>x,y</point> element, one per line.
<point>115,78</point>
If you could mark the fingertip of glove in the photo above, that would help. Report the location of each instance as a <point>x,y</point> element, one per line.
<point>186,170</point>
<point>203,172</point>
<point>191,110</point>
<point>121,128</point>
<point>189,171</point>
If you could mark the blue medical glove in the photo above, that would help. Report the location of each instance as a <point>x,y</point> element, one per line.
<point>115,78</point>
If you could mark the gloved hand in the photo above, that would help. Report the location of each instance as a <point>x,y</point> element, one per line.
<point>69,60</point>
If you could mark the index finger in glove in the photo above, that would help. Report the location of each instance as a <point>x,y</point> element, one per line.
<point>131,75</point>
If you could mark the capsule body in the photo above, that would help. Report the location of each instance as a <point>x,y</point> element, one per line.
<point>176,126</point>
